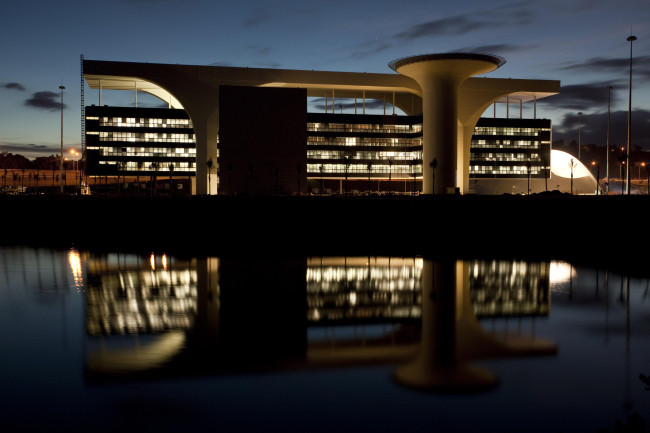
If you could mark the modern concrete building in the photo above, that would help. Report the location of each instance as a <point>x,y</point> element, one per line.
<point>439,88</point>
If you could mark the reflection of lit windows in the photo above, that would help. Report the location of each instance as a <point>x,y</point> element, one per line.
<point>389,288</point>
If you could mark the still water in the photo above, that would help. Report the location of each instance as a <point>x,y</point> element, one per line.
<point>98,342</point>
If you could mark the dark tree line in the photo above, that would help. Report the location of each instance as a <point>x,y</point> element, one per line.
<point>16,161</point>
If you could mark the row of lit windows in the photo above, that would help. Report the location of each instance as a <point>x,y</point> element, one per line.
<point>336,154</point>
<point>137,137</point>
<point>492,130</point>
<point>363,141</point>
<point>507,144</point>
<point>178,152</point>
<point>363,127</point>
<point>150,166</point>
<point>363,168</point>
<point>504,170</point>
<point>132,122</point>
<point>504,157</point>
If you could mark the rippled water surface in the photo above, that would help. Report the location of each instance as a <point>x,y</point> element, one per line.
<point>98,342</point>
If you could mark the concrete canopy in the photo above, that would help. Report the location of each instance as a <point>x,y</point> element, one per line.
<point>196,90</point>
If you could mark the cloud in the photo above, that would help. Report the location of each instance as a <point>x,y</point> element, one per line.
<point>369,48</point>
<point>45,100</point>
<point>456,25</point>
<point>593,128</point>
<point>319,104</point>
<point>618,65</point>
<point>496,48</point>
<point>226,64</point>
<point>260,50</point>
<point>515,14</point>
<point>257,18</point>
<point>21,148</point>
<point>16,86</point>
<point>583,96</point>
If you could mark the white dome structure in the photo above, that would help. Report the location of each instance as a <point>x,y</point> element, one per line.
<point>583,181</point>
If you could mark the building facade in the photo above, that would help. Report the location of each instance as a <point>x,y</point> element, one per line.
<point>130,141</point>
<point>270,151</point>
<point>440,87</point>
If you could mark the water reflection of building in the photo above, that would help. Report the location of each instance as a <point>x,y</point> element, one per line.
<point>127,294</point>
<point>228,314</point>
<point>509,288</point>
<point>371,289</point>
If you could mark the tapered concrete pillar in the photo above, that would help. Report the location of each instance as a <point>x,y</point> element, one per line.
<point>439,76</point>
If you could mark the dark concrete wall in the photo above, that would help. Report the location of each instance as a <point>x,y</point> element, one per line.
<point>262,140</point>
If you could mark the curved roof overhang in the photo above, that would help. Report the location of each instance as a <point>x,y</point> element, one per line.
<point>144,76</point>
<point>114,82</point>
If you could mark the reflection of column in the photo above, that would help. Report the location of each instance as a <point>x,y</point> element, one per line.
<point>436,367</point>
<point>206,327</point>
<point>474,343</point>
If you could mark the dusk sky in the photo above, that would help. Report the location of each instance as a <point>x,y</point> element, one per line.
<point>582,43</point>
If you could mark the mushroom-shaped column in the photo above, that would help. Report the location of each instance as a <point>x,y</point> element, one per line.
<point>439,76</point>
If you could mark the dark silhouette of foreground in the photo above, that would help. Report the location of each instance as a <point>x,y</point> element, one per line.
<point>595,229</point>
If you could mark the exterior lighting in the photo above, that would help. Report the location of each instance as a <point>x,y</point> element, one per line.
<point>629,119</point>
<point>579,128</point>
<point>61,88</point>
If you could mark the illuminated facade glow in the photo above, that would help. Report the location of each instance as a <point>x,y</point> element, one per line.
<point>411,93</point>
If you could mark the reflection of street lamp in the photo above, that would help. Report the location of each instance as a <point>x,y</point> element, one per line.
<point>62,88</point>
<point>629,119</point>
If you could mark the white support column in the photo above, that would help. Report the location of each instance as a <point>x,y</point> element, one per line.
<point>384,105</point>
<point>507,106</point>
<point>355,104</point>
<point>333,103</point>
<point>135,92</point>
<point>100,93</point>
<point>393,103</point>
<point>439,77</point>
<point>494,116</point>
<point>521,109</point>
<point>364,102</point>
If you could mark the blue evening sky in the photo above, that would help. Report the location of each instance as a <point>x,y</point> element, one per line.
<point>582,43</point>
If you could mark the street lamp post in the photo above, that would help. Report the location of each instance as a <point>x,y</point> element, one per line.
<point>75,167</point>
<point>61,88</point>
<point>609,103</point>
<point>579,127</point>
<point>595,164</point>
<point>631,39</point>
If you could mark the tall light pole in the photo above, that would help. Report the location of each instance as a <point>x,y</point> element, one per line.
<point>579,127</point>
<point>631,39</point>
<point>62,88</point>
<point>609,103</point>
